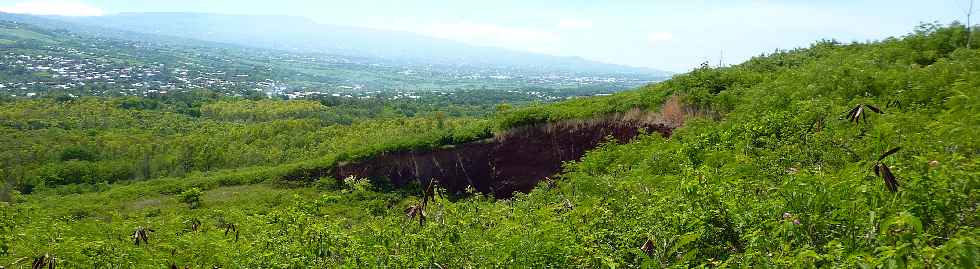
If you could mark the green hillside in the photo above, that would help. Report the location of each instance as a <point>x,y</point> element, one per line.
<point>18,33</point>
<point>791,163</point>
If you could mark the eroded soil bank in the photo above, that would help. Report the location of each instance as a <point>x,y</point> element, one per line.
<point>510,162</point>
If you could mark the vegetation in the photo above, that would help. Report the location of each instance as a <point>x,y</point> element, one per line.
<point>780,179</point>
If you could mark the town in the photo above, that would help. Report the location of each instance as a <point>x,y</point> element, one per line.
<point>79,65</point>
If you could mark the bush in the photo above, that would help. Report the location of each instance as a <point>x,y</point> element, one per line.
<point>191,197</point>
<point>79,153</point>
<point>353,184</point>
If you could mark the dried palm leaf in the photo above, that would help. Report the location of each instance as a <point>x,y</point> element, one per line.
<point>883,171</point>
<point>44,261</point>
<point>889,153</point>
<point>890,182</point>
<point>873,108</point>
<point>231,228</point>
<point>857,113</point>
<point>648,247</point>
<point>418,210</point>
<point>193,225</point>
<point>413,211</point>
<point>852,113</point>
<point>141,235</point>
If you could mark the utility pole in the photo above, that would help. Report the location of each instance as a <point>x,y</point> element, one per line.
<point>969,26</point>
<point>721,59</point>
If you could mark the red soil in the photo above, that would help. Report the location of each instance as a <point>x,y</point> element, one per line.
<point>512,162</point>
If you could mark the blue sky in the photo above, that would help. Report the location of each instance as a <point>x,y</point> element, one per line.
<point>670,35</point>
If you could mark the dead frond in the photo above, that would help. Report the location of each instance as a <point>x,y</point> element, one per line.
<point>231,228</point>
<point>859,113</point>
<point>46,261</point>
<point>414,211</point>
<point>193,225</point>
<point>141,235</point>
<point>418,210</point>
<point>889,153</point>
<point>883,171</point>
<point>648,248</point>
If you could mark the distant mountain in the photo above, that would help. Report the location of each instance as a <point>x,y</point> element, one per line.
<point>59,23</point>
<point>44,53</point>
<point>304,35</point>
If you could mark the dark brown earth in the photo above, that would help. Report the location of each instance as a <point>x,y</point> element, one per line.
<point>512,162</point>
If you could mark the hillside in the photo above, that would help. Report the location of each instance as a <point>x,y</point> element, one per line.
<point>836,155</point>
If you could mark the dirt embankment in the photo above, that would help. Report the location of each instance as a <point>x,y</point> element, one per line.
<point>510,162</point>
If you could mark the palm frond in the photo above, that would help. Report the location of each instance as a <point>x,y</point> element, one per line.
<point>46,261</point>
<point>648,247</point>
<point>141,235</point>
<point>231,228</point>
<point>890,182</point>
<point>857,114</point>
<point>874,108</point>
<point>889,153</point>
<point>883,171</point>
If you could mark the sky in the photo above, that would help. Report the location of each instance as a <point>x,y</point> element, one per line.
<point>668,35</point>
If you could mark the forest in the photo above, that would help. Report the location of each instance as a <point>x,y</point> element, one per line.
<point>845,155</point>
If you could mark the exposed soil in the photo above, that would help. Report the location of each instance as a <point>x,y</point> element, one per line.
<point>511,162</point>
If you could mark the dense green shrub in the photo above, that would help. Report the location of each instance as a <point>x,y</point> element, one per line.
<point>191,197</point>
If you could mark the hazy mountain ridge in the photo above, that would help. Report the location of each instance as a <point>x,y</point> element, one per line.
<point>300,34</point>
<point>174,61</point>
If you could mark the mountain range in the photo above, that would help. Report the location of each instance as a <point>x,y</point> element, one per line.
<point>295,54</point>
<point>299,34</point>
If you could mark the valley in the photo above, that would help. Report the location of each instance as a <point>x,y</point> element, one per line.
<point>50,54</point>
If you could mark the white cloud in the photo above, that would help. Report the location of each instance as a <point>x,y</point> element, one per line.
<point>656,38</point>
<point>574,24</point>
<point>53,7</point>
<point>487,34</point>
